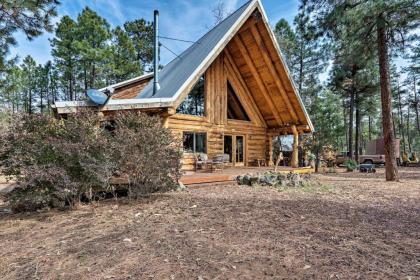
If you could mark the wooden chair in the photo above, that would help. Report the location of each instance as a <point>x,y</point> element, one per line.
<point>226,159</point>
<point>217,163</point>
<point>201,161</point>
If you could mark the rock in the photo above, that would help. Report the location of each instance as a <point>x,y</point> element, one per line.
<point>274,179</point>
<point>240,180</point>
<point>246,180</point>
<point>127,240</point>
<point>253,180</point>
<point>281,177</point>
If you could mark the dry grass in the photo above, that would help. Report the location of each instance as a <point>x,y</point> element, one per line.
<point>359,227</point>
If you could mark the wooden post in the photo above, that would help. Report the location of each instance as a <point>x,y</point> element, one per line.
<point>295,152</point>
<point>269,145</point>
<point>165,121</point>
<point>165,117</point>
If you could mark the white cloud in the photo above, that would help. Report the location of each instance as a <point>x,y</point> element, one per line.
<point>113,7</point>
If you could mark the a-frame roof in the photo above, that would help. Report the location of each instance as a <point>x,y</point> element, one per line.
<point>180,71</point>
<point>180,74</point>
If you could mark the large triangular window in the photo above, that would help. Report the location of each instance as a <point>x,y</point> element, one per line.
<point>194,103</point>
<point>235,110</point>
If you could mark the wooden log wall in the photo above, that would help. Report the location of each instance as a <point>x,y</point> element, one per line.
<point>216,124</point>
<point>131,90</point>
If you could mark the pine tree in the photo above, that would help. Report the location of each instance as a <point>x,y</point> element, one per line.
<point>380,25</point>
<point>123,63</point>
<point>328,124</point>
<point>305,55</point>
<point>354,76</point>
<point>92,47</point>
<point>141,32</point>
<point>30,17</point>
<point>413,81</point>
<point>65,55</point>
<point>29,69</point>
<point>286,39</point>
<point>11,88</point>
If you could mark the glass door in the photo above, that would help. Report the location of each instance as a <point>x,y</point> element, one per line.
<point>239,159</point>
<point>227,147</point>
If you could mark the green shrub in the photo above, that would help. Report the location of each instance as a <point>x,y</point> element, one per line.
<point>147,153</point>
<point>56,162</point>
<point>350,164</point>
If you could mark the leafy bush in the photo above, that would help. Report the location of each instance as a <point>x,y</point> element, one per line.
<point>148,154</point>
<point>351,164</point>
<point>56,162</point>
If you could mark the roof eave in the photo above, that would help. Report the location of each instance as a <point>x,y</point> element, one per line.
<point>217,50</point>
<point>128,82</point>
<point>68,107</point>
<point>273,38</point>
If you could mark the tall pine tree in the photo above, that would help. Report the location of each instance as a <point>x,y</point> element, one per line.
<point>380,25</point>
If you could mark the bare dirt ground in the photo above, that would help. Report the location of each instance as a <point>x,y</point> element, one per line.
<point>360,227</point>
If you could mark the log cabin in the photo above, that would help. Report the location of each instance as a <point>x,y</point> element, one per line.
<point>228,93</point>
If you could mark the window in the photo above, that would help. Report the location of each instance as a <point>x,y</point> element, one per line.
<point>235,110</point>
<point>194,102</point>
<point>195,142</point>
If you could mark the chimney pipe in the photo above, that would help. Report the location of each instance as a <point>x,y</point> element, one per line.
<point>156,85</point>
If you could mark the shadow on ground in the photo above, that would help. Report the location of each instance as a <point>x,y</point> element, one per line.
<point>223,232</point>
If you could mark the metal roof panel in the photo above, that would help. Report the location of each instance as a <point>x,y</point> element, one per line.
<point>173,76</point>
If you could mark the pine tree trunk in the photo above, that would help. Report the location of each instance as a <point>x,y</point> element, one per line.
<point>30,102</point>
<point>401,124</point>
<point>351,111</point>
<point>357,136</point>
<point>362,143</point>
<point>416,107</point>
<point>408,130</point>
<point>71,83</point>
<point>391,172</point>
<point>370,128</point>
<point>85,78</point>
<point>345,125</point>
<point>41,102</point>
<point>393,125</point>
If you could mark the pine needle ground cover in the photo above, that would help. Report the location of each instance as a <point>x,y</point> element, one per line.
<point>362,228</point>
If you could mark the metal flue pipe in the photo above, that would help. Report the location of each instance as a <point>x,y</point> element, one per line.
<point>156,85</point>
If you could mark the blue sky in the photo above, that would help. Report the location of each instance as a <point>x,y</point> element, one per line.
<point>184,19</point>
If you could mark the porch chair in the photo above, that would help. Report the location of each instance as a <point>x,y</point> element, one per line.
<point>226,159</point>
<point>217,163</point>
<point>201,161</point>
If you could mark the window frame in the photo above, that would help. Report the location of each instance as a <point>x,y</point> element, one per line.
<point>229,87</point>
<point>194,133</point>
<point>204,98</point>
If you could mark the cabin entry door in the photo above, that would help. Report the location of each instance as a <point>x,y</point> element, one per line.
<point>234,146</point>
<point>240,150</point>
<point>228,147</point>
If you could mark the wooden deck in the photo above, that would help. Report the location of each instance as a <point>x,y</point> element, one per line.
<point>228,175</point>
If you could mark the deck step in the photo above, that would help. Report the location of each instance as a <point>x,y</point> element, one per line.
<point>213,178</point>
<point>211,184</point>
